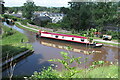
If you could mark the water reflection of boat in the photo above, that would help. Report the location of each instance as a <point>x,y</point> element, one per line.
<point>65,47</point>
<point>70,38</point>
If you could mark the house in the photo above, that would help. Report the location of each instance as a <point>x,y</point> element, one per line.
<point>56,17</point>
<point>41,20</point>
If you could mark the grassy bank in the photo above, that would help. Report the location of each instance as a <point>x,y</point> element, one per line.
<point>25,28</point>
<point>12,42</point>
<point>98,69</point>
<point>65,33</point>
<point>99,72</point>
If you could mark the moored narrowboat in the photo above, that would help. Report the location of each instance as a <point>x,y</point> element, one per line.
<point>66,37</point>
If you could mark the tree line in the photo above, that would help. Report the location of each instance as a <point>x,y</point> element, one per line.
<point>37,8</point>
<point>86,15</point>
<point>80,15</point>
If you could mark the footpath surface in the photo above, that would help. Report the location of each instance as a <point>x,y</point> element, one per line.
<point>100,40</point>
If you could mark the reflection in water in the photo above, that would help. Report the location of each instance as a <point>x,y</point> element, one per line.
<point>66,48</point>
<point>45,49</point>
<point>6,66</point>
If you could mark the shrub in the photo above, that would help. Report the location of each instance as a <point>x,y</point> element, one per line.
<point>9,32</point>
<point>114,34</point>
<point>45,73</point>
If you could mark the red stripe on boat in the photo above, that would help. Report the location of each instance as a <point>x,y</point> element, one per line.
<point>65,40</point>
<point>64,35</point>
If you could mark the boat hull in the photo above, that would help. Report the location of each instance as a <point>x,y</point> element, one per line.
<point>69,41</point>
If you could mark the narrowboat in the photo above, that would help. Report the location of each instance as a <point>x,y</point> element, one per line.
<point>65,37</point>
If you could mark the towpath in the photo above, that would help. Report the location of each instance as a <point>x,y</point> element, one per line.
<point>100,40</point>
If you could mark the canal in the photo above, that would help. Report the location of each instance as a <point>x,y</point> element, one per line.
<point>45,49</point>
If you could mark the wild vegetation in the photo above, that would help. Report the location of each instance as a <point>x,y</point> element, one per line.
<point>81,17</point>
<point>13,42</point>
<point>37,8</point>
<point>96,70</point>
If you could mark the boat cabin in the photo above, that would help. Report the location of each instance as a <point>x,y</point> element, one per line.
<point>65,37</point>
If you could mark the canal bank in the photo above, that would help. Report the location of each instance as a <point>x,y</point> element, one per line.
<point>46,49</point>
<point>35,29</point>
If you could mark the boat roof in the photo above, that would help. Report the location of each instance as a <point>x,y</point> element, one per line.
<point>65,35</point>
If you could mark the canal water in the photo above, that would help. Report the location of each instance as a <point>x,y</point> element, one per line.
<point>46,49</point>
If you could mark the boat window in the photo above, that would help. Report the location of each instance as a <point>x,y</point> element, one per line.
<point>72,38</point>
<point>56,36</point>
<point>82,40</point>
<point>63,37</point>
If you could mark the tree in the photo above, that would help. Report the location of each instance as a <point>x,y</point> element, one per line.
<point>28,9</point>
<point>64,10</point>
<point>86,15</point>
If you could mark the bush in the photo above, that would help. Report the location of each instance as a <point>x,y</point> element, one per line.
<point>53,25</point>
<point>49,73</point>
<point>26,21</point>
<point>9,32</point>
<point>11,17</point>
<point>114,34</point>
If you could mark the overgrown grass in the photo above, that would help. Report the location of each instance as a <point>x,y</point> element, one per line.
<point>98,69</point>
<point>99,72</point>
<point>11,42</point>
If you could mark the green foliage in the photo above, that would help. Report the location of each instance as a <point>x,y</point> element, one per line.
<point>24,22</point>
<point>90,32</point>
<point>11,42</point>
<point>97,63</point>
<point>28,9</point>
<point>97,70</point>
<point>45,73</point>
<point>66,61</point>
<point>84,15</point>
<point>53,25</point>
<point>114,34</point>
<point>11,17</point>
<point>25,28</point>
<point>8,32</point>
<point>64,10</point>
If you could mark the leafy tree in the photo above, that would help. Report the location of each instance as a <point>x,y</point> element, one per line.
<point>28,9</point>
<point>64,10</point>
<point>86,15</point>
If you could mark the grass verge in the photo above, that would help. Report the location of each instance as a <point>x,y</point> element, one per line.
<point>25,28</point>
<point>99,72</point>
<point>11,42</point>
<point>63,33</point>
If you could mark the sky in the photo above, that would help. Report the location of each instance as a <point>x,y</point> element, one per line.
<point>47,3</point>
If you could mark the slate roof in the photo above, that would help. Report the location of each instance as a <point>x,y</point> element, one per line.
<point>43,18</point>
